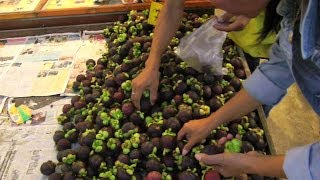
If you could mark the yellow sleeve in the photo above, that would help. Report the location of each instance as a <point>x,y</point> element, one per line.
<point>247,39</point>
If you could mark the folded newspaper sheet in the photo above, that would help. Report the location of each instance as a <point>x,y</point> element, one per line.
<point>41,67</point>
<point>25,148</point>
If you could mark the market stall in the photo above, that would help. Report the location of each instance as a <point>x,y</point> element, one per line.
<point>66,107</point>
<point>47,13</point>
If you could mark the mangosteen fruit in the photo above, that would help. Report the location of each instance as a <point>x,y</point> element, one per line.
<point>75,99</point>
<point>136,118</point>
<point>95,161</point>
<point>135,154</point>
<point>66,108</point>
<point>55,176</point>
<point>236,63</point>
<point>122,174</point>
<point>180,88</point>
<point>121,77</point>
<point>214,104</point>
<point>48,168</point>
<point>147,148</point>
<point>123,158</point>
<point>184,115</point>
<point>240,73</point>
<point>246,147</point>
<point>153,165</point>
<point>168,142</point>
<point>127,108</point>
<point>79,104</point>
<point>208,79</point>
<point>129,126</point>
<point>235,83</point>
<point>187,162</point>
<point>78,167</point>
<point>154,175</point>
<point>63,144</point>
<point>187,175</point>
<point>145,104</point>
<point>212,175</point>
<point>58,135</point>
<point>217,89</point>
<point>156,141</point>
<point>207,92</point>
<point>211,149</point>
<point>169,111</point>
<point>220,134</point>
<point>173,124</point>
<point>69,176</point>
<point>83,153</point>
<point>154,130</point>
<point>68,126</point>
<point>260,145</point>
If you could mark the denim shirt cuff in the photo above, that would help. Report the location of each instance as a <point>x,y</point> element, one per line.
<point>263,89</point>
<point>296,163</point>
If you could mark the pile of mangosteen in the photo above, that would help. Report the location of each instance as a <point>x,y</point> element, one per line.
<point>104,136</point>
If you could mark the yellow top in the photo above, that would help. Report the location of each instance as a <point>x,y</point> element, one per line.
<point>247,39</point>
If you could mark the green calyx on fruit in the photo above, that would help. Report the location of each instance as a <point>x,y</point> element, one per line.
<point>69,159</point>
<point>233,146</point>
<point>69,133</point>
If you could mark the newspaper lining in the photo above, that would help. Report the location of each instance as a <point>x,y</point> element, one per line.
<point>41,67</point>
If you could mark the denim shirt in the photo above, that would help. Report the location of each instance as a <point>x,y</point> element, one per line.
<point>296,60</point>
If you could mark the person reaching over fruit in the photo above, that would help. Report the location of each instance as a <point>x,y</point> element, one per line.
<point>258,33</point>
<point>295,57</point>
<point>171,14</point>
<point>254,36</point>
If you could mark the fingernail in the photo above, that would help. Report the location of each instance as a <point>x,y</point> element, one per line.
<point>198,157</point>
<point>184,152</point>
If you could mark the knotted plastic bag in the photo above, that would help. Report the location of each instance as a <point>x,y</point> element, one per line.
<point>202,49</point>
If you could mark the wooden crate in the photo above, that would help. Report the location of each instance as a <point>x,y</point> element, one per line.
<point>260,111</point>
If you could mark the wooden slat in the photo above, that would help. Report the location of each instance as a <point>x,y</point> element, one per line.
<point>75,16</point>
<point>20,15</point>
<point>110,8</point>
<point>23,15</point>
<point>57,21</point>
<point>40,6</point>
<point>260,111</point>
<point>40,11</point>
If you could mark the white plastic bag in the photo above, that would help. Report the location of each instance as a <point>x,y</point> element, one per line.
<point>201,49</point>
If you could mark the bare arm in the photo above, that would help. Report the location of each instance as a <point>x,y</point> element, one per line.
<point>271,166</point>
<point>167,25</point>
<point>232,164</point>
<point>242,103</point>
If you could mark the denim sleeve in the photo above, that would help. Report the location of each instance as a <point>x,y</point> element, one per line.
<point>269,82</point>
<point>303,162</point>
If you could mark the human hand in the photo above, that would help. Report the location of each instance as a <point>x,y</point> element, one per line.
<point>147,79</point>
<point>195,131</point>
<point>228,164</point>
<point>228,22</point>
